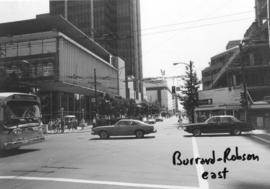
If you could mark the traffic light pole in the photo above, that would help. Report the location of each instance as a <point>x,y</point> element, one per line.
<point>245,104</point>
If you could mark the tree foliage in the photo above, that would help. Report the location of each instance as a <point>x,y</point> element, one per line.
<point>190,91</point>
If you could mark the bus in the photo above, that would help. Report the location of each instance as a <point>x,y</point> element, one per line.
<point>20,120</point>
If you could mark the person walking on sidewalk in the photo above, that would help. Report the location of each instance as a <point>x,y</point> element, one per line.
<point>62,125</point>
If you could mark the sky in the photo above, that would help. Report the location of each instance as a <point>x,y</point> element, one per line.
<point>172,30</point>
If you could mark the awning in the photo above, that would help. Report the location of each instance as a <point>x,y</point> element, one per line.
<point>259,106</point>
<point>64,87</point>
<point>219,107</point>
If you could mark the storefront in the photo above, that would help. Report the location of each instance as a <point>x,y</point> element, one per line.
<point>204,112</point>
<point>53,59</point>
<point>259,115</point>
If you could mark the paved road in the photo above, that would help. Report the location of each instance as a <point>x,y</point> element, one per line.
<point>79,160</point>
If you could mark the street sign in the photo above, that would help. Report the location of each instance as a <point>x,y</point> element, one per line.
<point>205,101</point>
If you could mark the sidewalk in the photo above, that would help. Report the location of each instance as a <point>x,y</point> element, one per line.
<point>78,130</point>
<point>262,135</point>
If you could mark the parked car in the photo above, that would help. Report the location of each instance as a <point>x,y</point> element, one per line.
<point>218,124</point>
<point>124,127</point>
<point>150,121</point>
<point>159,118</point>
<point>82,124</point>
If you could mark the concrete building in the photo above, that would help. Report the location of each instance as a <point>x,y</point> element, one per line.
<point>158,90</point>
<point>115,24</point>
<point>53,58</point>
<point>221,101</point>
<point>246,65</point>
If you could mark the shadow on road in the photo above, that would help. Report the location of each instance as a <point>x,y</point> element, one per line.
<point>249,137</point>
<point>124,138</point>
<point>15,152</point>
<point>217,135</point>
<point>251,185</point>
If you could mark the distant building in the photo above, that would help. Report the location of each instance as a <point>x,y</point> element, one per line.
<point>54,59</point>
<point>247,63</point>
<point>234,43</point>
<point>115,24</point>
<point>159,91</point>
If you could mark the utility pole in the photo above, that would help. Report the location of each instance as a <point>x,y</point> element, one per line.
<point>192,88</point>
<point>268,20</point>
<point>92,28</point>
<point>66,9</point>
<point>95,84</point>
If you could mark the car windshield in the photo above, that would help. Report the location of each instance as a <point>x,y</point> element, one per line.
<point>122,123</point>
<point>22,112</point>
<point>235,119</point>
<point>212,120</point>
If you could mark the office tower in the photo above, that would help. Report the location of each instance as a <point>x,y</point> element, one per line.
<point>115,24</point>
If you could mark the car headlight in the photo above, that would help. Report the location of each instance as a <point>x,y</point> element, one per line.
<point>184,128</point>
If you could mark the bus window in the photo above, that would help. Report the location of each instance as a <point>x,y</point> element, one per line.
<point>20,122</point>
<point>21,111</point>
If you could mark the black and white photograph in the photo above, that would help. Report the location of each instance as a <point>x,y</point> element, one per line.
<point>134,94</point>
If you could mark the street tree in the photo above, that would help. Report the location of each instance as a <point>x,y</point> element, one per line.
<point>190,91</point>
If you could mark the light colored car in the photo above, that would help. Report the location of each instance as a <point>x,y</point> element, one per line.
<point>82,124</point>
<point>151,120</point>
<point>159,118</point>
<point>124,127</point>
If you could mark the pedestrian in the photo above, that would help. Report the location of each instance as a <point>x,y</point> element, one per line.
<point>180,121</point>
<point>56,125</point>
<point>94,122</point>
<point>50,125</point>
<point>62,125</point>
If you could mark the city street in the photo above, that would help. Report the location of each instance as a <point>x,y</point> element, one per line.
<point>80,160</point>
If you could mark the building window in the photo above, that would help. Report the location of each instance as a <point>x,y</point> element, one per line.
<point>39,70</point>
<point>47,69</point>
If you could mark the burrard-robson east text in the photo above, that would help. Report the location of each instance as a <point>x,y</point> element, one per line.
<point>227,156</point>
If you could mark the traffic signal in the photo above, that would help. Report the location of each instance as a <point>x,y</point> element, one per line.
<point>173,89</point>
<point>243,100</point>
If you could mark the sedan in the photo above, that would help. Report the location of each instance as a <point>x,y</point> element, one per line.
<point>150,121</point>
<point>218,124</point>
<point>124,127</point>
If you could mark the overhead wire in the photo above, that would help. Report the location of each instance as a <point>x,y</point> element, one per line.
<point>198,20</point>
<point>198,26</point>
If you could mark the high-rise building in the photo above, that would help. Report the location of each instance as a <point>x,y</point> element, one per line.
<point>115,24</point>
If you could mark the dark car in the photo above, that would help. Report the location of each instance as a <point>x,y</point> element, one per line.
<point>218,124</point>
<point>124,127</point>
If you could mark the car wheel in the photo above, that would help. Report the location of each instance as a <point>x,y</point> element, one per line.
<point>236,132</point>
<point>139,134</point>
<point>197,132</point>
<point>103,135</point>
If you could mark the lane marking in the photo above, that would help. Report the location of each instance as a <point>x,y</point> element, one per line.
<point>259,138</point>
<point>203,184</point>
<point>81,181</point>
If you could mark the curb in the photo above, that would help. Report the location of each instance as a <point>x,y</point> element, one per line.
<point>261,139</point>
